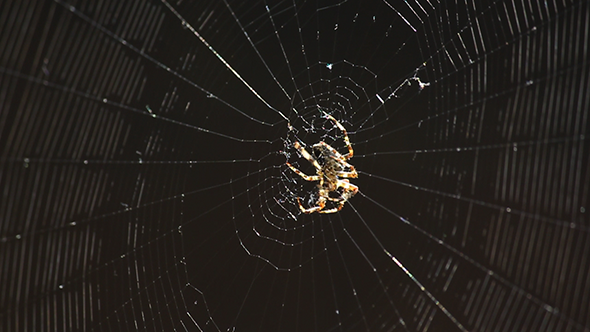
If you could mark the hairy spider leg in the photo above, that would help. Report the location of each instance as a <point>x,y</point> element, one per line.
<point>348,187</point>
<point>334,210</point>
<point>311,159</point>
<point>334,152</point>
<point>352,174</point>
<point>303,175</point>
<point>349,191</point>
<point>321,203</point>
<point>346,140</point>
<point>307,156</point>
<point>345,196</point>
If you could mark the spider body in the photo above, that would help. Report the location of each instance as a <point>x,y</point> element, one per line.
<point>331,174</point>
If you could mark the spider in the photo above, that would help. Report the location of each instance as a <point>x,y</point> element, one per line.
<point>331,174</point>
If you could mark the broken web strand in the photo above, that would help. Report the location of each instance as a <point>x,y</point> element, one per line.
<point>471,58</point>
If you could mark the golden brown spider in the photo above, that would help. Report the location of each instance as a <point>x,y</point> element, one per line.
<point>330,174</point>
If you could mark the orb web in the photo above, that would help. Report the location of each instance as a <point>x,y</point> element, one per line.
<point>145,186</point>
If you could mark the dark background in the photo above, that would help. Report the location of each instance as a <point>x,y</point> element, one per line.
<point>144,184</point>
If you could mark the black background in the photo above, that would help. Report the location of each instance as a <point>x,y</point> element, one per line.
<point>144,184</point>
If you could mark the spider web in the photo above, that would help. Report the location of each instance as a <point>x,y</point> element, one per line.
<point>144,184</point>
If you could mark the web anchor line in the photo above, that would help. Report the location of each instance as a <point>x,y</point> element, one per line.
<point>156,62</point>
<point>236,74</point>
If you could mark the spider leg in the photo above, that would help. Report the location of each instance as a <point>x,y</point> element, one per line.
<point>349,191</point>
<point>332,199</point>
<point>303,175</point>
<point>351,174</point>
<point>334,210</point>
<point>336,154</point>
<point>307,156</point>
<point>321,202</point>
<point>346,140</point>
<point>332,175</point>
<point>340,158</point>
<point>349,188</point>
